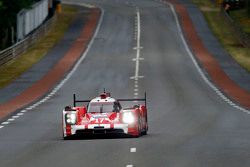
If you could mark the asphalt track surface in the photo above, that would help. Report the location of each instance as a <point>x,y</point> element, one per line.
<point>189,124</point>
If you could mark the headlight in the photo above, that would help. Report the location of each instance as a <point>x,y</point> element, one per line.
<point>128,118</point>
<point>70,118</point>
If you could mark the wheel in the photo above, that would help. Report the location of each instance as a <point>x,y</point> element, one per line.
<point>139,132</point>
<point>145,130</point>
<point>66,138</point>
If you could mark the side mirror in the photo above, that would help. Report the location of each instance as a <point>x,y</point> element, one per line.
<point>68,108</point>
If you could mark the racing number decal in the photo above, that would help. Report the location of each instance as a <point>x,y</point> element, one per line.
<point>100,120</point>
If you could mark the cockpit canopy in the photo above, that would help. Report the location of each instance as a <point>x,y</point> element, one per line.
<point>104,107</point>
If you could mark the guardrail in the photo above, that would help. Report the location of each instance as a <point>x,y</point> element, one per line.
<point>236,29</point>
<point>21,46</point>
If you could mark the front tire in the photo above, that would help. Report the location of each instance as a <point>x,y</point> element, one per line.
<point>65,137</point>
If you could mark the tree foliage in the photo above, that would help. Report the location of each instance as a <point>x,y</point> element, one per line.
<point>8,13</point>
<point>248,7</point>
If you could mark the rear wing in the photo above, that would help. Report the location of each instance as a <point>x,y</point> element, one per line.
<point>142,99</point>
<point>87,101</point>
<point>79,101</point>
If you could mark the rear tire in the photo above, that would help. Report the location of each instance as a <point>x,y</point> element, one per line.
<point>145,131</point>
<point>139,128</point>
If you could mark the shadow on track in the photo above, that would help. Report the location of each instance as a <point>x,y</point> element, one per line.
<point>98,136</point>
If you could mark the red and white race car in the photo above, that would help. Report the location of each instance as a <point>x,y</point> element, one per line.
<point>104,115</point>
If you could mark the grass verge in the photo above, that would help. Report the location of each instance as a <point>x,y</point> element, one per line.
<point>17,66</point>
<point>223,33</point>
<point>241,17</point>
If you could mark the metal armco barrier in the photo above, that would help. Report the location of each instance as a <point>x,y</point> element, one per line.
<point>237,31</point>
<point>20,47</point>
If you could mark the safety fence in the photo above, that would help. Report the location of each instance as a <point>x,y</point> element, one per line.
<point>30,19</point>
<point>21,46</point>
<point>236,29</point>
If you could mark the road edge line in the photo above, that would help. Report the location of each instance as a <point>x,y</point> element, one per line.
<point>191,55</point>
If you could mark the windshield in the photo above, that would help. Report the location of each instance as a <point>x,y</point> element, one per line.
<point>101,107</point>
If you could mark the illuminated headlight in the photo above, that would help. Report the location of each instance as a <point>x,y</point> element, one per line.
<point>128,118</point>
<point>70,118</point>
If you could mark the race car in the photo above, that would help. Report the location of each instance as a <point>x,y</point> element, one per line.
<point>105,115</point>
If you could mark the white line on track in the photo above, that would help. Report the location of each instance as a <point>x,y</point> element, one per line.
<point>138,45</point>
<point>11,119</point>
<point>133,150</point>
<point>210,84</point>
<point>129,165</point>
<point>138,48</point>
<point>1,127</point>
<point>23,111</point>
<point>69,74</point>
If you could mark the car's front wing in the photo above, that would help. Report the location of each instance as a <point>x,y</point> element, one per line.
<point>96,129</point>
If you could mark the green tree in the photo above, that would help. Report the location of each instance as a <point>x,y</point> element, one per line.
<point>8,12</point>
<point>248,7</point>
